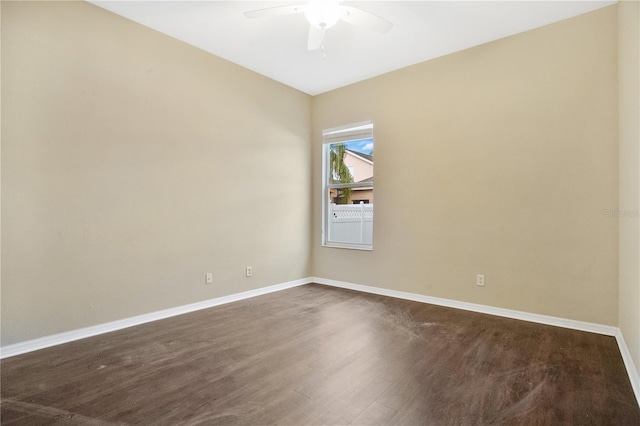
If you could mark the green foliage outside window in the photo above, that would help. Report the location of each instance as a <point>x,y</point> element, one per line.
<point>340,172</point>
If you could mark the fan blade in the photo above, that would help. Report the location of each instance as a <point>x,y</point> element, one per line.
<point>366,19</point>
<point>274,11</point>
<point>316,37</point>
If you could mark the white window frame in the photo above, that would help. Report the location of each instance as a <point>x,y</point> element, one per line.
<point>351,132</point>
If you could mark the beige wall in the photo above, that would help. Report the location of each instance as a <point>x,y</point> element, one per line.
<point>512,147</point>
<point>629,110</point>
<point>132,164</point>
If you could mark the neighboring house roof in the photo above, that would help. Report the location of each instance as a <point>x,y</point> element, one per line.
<point>365,157</point>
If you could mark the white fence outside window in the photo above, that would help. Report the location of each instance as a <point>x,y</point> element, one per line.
<point>351,223</point>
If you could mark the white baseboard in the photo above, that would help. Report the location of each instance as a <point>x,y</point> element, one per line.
<point>632,370</point>
<point>607,330</point>
<point>70,336</point>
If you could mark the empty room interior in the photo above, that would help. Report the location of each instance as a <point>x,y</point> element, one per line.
<point>191,239</point>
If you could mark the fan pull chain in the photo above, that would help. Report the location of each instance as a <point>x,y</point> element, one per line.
<point>324,54</point>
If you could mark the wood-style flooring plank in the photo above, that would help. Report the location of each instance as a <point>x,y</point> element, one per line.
<point>317,355</point>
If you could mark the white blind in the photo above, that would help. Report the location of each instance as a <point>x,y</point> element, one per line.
<point>350,132</point>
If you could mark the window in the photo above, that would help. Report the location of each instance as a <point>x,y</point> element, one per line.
<point>347,201</point>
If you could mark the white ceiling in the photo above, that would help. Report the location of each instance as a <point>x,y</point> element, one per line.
<point>277,46</point>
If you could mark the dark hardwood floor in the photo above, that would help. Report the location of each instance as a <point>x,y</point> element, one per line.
<point>316,355</point>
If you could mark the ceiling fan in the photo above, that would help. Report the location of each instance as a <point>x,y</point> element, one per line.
<point>322,15</point>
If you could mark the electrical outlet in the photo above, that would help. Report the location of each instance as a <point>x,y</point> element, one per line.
<point>208,278</point>
<point>249,271</point>
<point>480,280</point>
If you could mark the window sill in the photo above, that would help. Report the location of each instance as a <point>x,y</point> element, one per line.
<point>361,247</point>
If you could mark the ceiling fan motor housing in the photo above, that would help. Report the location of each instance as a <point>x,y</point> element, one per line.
<point>323,14</point>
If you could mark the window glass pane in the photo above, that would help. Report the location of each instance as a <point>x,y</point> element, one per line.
<point>350,162</point>
<point>351,223</point>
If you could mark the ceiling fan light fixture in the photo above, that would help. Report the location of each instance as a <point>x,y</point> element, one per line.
<point>323,14</point>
